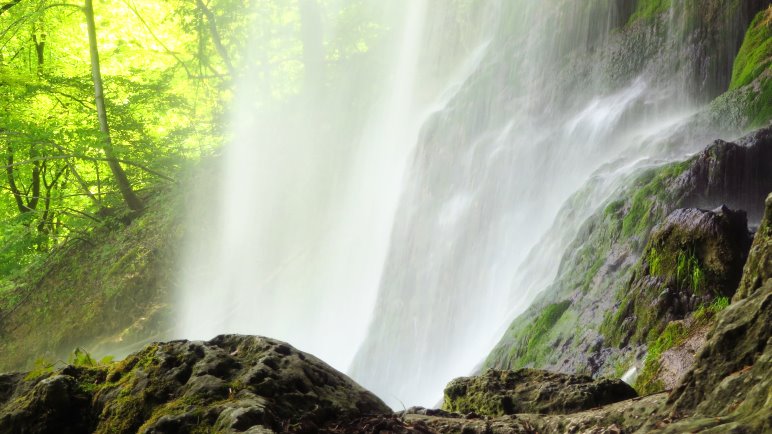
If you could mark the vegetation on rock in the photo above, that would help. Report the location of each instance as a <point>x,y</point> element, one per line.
<point>611,264</point>
<point>229,384</point>
<point>649,9</point>
<point>497,393</point>
<point>69,298</point>
<point>694,257</point>
<point>755,55</point>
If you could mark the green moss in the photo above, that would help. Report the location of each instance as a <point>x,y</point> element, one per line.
<point>748,102</point>
<point>647,381</point>
<point>755,55</point>
<point>683,265</point>
<point>688,271</point>
<point>760,105</point>
<point>655,262</point>
<point>649,9</point>
<point>706,312</point>
<point>125,413</point>
<point>185,404</point>
<point>73,297</point>
<point>529,340</point>
<point>645,209</point>
<point>613,207</point>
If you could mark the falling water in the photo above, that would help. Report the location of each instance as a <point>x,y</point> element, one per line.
<point>395,238</point>
<point>309,192</point>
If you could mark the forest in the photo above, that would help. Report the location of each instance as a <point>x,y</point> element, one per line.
<point>104,102</point>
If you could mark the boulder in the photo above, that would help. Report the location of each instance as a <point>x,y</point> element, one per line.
<point>496,393</point>
<point>730,387</point>
<point>229,384</point>
<point>692,258</point>
<point>53,405</point>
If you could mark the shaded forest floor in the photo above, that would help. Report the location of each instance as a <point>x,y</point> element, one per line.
<point>107,288</point>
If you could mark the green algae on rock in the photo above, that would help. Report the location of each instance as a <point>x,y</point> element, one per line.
<point>598,269</point>
<point>497,393</point>
<point>694,257</point>
<point>728,389</point>
<point>229,384</point>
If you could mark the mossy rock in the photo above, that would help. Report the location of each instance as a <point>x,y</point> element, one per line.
<point>496,393</point>
<point>231,383</point>
<point>758,269</point>
<point>694,257</point>
<point>603,265</point>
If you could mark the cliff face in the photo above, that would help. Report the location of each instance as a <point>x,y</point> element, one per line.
<point>729,387</point>
<point>649,271</point>
<point>645,277</point>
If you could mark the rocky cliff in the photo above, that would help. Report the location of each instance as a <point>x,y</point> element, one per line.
<point>649,271</point>
<point>256,385</point>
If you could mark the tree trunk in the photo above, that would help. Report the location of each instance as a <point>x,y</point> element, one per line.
<point>131,199</point>
<point>313,46</point>
<point>216,40</point>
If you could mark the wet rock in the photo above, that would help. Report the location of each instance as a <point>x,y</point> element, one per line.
<point>52,404</point>
<point>496,393</point>
<point>736,174</point>
<point>604,264</point>
<point>207,387</point>
<point>729,388</point>
<point>758,269</point>
<point>231,384</point>
<point>693,257</point>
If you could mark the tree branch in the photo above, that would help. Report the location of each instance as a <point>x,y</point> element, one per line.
<point>216,38</point>
<point>87,158</point>
<point>8,5</point>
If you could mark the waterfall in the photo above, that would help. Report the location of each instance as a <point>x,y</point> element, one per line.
<point>308,193</point>
<point>395,220</point>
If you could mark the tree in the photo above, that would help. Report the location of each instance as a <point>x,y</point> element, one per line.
<point>132,201</point>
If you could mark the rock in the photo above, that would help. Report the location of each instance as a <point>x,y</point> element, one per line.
<point>730,386</point>
<point>497,393</point>
<point>677,361</point>
<point>46,405</point>
<point>229,384</point>
<point>737,174</point>
<point>758,269</point>
<point>625,417</point>
<point>604,264</point>
<point>693,257</point>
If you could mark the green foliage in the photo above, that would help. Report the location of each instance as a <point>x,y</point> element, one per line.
<point>688,271</point>
<point>84,283</point>
<point>168,69</point>
<point>40,368</point>
<point>82,358</point>
<point>683,265</point>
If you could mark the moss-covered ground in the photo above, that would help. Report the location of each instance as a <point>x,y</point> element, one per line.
<point>106,288</point>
